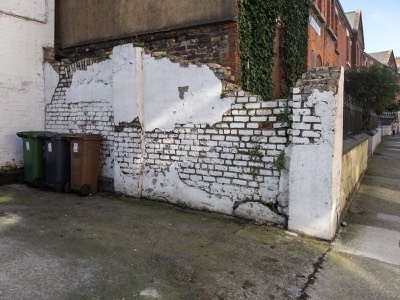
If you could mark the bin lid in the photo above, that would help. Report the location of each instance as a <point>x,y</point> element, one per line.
<point>34,134</point>
<point>84,136</point>
<point>56,137</point>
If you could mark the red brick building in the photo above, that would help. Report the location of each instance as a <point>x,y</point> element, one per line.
<point>357,41</point>
<point>385,58</point>
<point>334,37</point>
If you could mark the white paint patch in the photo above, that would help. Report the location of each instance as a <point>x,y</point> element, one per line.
<point>34,10</point>
<point>51,78</point>
<point>180,95</point>
<point>371,242</point>
<point>125,86</point>
<point>93,84</point>
<point>166,185</point>
<point>149,292</point>
<point>8,221</point>
<point>125,184</point>
<point>258,211</point>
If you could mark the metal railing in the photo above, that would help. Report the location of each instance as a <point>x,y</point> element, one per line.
<point>373,121</point>
<point>387,117</point>
<point>352,117</point>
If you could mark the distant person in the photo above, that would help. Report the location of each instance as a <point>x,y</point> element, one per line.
<point>394,127</point>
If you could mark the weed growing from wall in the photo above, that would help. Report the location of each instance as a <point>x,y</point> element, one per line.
<point>258,21</point>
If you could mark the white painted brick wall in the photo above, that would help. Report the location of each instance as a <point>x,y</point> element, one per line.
<point>204,156</point>
<point>22,99</point>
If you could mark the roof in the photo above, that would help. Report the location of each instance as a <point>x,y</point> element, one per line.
<point>354,18</point>
<point>383,56</point>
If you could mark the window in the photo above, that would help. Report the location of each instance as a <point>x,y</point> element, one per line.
<point>312,57</point>
<point>319,61</point>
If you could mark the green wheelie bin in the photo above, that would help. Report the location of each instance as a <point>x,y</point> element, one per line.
<point>34,163</point>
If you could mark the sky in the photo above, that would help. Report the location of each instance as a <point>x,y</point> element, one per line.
<point>381,21</point>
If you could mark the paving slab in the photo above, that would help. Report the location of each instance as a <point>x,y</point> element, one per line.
<point>364,260</point>
<point>62,246</point>
<point>346,276</point>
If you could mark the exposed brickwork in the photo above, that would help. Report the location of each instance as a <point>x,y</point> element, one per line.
<point>84,117</point>
<point>232,159</point>
<point>214,43</point>
<point>306,127</point>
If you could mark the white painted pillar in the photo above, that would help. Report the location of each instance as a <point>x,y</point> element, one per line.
<point>315,164</point>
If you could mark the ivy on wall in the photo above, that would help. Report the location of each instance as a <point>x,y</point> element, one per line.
<point>258,21</point>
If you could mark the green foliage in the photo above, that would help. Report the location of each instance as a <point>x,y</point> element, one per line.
<point>286,116</point>
<point>255,153</point>
<point>279,163</point>
<point>254,171</point>
<point>374,87</point>
<point>392,107</point>
<point>295,15</point>
<point>258,21</point>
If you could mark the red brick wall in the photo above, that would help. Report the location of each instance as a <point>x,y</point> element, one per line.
<point>213,43</point>
<point>333,43</point>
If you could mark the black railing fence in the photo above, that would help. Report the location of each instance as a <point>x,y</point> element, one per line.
<point>352,117</point>
<point>387,117</point>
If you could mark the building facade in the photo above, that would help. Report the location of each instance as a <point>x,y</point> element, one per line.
<point>333,38</point>
<point>25,30</point>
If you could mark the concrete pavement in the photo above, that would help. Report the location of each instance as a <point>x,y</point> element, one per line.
<point>61,246</point>
<point>364,261</point>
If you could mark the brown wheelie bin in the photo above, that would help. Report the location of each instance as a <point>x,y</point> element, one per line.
<point>85,152</point>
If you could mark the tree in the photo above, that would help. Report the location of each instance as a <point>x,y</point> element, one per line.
<point>374,87</point>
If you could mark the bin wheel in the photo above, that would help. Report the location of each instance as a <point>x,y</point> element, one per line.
<point>42,183</point>
<point>59,187</point>
<point>35,182</point>
<point>85,190</point>
<point>21,178</point>
<point>67,187</point>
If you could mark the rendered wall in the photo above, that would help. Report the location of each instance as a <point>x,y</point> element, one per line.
<point>354,164</point>
<point>86,21</point>
<point>316,154</point>
<point>26,27</point>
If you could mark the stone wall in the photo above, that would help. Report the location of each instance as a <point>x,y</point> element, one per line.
<point>25,30</point>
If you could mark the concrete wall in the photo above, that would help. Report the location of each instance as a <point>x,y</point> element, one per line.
<point>86,21</point>
<point>374,140</point>
<point>26,27</point>
<point>170,134</point>
<point>354,164</point>
<point>316,154</point>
